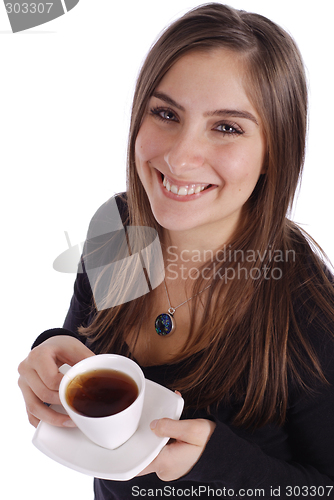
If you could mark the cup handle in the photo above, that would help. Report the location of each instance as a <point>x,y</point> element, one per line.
<point>64,368</point>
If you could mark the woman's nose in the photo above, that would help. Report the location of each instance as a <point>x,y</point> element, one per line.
<point>185,153</point>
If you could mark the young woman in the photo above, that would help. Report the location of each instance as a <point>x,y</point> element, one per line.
<point>215,154</point>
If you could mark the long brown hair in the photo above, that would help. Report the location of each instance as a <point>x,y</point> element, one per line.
<point>253,341</point>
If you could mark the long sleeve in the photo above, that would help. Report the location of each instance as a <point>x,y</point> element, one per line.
<point>237,464</point>
<point>296,460</point>
<point>81,306</point>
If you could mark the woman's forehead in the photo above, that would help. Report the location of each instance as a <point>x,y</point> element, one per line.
<point>212,78</point>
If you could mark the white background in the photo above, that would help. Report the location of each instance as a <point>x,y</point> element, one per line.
<point>65,94</point>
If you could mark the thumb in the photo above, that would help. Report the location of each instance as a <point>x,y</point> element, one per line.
<point>193,431</point>
<point>176,429</point>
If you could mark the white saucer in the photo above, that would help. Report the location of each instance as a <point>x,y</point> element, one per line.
<point>70,447</point>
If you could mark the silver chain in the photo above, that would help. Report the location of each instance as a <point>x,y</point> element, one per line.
<point>171,309</point>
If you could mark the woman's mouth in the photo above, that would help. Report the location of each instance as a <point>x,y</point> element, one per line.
<point>183,190</point>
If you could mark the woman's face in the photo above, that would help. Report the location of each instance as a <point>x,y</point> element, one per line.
<point>200,148</point>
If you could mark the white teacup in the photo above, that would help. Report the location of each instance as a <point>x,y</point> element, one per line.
<point>113,430</point>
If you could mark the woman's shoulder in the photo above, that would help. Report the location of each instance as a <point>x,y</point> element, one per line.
<point>311,332</point>
<point>110,216</point>
<point>312,322</point>
<point>311,279</point>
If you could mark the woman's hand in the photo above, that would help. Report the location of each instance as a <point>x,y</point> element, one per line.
<point>39,377</point>
<point>178,457</point>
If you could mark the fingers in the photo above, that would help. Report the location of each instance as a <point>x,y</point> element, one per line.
<point>196,432</point>
<point>43,363</point>
<point>38,411</point>
<point>170,457</point>
<point>40,378</point>
<point>174,461</point>
<point>44,387</point>
<point>177,459</point>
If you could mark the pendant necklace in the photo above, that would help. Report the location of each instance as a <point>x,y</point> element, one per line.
<point>165,322</point>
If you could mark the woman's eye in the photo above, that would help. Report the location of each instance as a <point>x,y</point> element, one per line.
<point>227,129</point>
<point>164,114</point>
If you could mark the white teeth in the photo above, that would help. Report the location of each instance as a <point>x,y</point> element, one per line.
<point>183,190</point>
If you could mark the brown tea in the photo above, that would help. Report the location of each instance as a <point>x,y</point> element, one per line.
<point>100,393</point>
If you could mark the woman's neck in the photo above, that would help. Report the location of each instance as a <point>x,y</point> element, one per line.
<point>185,252</point>
<point>195,242</point>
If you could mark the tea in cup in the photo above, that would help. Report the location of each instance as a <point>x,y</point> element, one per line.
<point>104,397</point>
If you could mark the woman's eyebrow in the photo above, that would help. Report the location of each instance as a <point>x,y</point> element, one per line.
<point>218,112</point>
<point>169,100</point>
<point>232,113</point>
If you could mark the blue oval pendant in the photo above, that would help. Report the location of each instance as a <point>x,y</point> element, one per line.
<point>164,324</point>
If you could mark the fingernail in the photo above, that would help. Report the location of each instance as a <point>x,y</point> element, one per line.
<point>69,423</point>
<point>153,424</point>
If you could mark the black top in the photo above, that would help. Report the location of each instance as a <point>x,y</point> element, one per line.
<point>295,460</point>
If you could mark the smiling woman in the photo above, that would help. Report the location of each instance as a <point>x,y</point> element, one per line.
<point>204,147</point>
<point>216,149</point>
